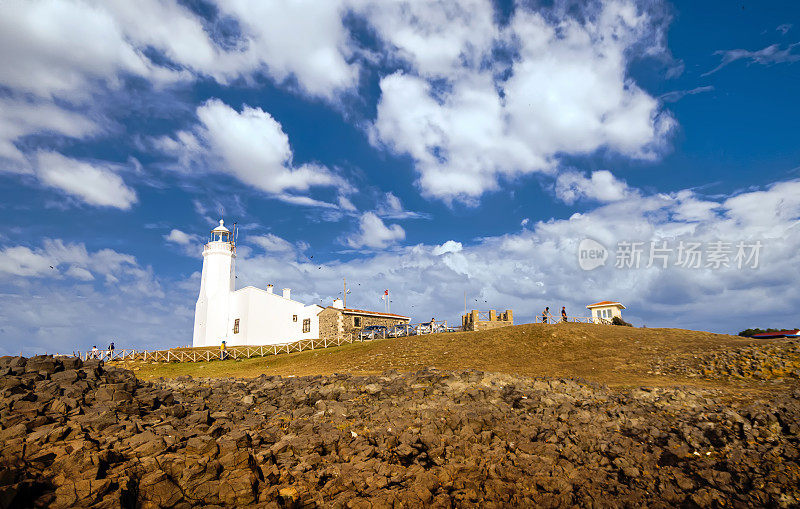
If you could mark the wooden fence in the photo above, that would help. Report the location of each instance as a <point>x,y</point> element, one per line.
<point>213,353</point>
<point>205,354</point>
<point>246,352</point>
<point>573,319</point>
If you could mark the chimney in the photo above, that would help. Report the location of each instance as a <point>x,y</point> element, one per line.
<point>338,304</point>
<point>286,293</point>
<point>269,288</point>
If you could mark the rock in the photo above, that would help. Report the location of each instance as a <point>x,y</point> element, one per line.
<point>72,362</point>
<point>65,378</point>
<point>42,364</point>
<point>91,435</point>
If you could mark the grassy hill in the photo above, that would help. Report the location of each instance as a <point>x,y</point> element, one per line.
<point>617,356</point>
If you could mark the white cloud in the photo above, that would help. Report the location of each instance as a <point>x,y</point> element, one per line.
<point>451,246</point>
<point>373,233</point>
<point>79,273</point>
<point>772,54</point>
<point>467,118</point>
<point>21,261</point>
<point>677,95</point>
<point>346,204</point>
<point>601,186</point>
<point>390,206</point>
<point>528,270</point>
<point>93,184</point>
<point>251,146</point>
<point>567,92</point>
<point>438,37</point>
<point>56,47</point>
<point>87,297</point>
<point>188,244</point>
<point>56,259</point>
<point>179,237</point>
<point>24,117</point>
<point>273,244</point>
<point>524,271</point>
<point>59,46</point>
<point>317,59</point>
<point>60,59</point>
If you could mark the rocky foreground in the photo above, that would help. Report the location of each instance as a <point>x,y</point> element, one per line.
<point>779,360</point>
<point>86,435</point>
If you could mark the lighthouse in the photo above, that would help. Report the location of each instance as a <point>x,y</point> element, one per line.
<point>211,315</point>
<point>259,316</point>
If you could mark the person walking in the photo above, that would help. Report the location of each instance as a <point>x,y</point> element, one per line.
<point>223,351</point>
<point>545,314</point>
<point>563,314</point>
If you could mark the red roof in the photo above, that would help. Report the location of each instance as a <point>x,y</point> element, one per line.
<point>373,313</point>
<point>605,303</point>
<point>776,334</point>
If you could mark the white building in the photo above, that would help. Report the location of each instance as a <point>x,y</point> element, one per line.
<point>248,316</point>
<point>605,311</point>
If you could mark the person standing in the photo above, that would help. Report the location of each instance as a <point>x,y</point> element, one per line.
<point>94,352</point>
<point>111,350</point>
<point>223,351</point>
<point>563,313</point>
<point>545,313</point>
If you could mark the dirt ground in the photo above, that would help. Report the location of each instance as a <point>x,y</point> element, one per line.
<point>612,355</point>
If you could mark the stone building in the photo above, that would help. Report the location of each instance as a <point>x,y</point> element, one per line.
<point>476,320</point>
<point>336,321</point>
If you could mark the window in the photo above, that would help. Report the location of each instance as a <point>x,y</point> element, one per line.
<point>307,325</point>
<point>294,318</point>
<point>236,326</point>
<point>357,322</point>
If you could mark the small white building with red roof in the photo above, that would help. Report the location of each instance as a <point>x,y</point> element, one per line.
<point>605,311</point>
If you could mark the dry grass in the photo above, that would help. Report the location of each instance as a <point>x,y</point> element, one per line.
<point>617,356</point>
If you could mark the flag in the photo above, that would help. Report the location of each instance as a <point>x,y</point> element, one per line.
<point>385,295</point>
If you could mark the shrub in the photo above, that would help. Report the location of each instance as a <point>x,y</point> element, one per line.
<point>619,321</point>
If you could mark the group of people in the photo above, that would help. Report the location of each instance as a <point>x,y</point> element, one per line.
<point>546,314</point>
<point>96,353</point>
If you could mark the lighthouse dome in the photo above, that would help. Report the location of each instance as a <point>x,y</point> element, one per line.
<point>221,228</point>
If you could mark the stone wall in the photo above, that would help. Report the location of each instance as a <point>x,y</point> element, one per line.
<point>330,324</point>
<point>366,320</point>
<point>472,321</point>
<point>335,322</point>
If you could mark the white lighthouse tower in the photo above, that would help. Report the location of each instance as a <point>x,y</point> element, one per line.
<point>211,320</point>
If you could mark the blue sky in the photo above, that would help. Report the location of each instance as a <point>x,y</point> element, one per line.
<point>436,149</point>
